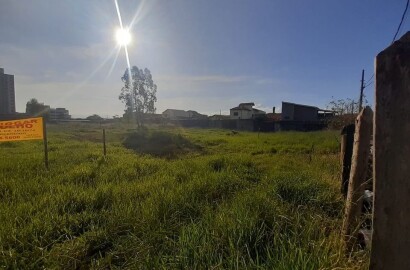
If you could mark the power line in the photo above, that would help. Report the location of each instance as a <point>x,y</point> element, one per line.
<point>401,22</point>
<point>368,84</point>
<point>370,77</point>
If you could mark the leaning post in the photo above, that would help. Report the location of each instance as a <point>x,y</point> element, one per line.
<point>360,158</point>
<point>391,215</point>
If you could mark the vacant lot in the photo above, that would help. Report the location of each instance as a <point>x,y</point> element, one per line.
<point>172,198</point>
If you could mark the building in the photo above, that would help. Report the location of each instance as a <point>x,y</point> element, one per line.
<point>246,111</point>
<point>7,94</point>
<point>299,112</point>
<point>59,114</point>
<point>219,117</point>
<point>173,114</point>
<point>274,116</point>
<point>196,115</point>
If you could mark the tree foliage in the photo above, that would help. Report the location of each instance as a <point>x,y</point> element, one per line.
<point>35,108</point>
<point>138,93</point>
<point>95,118</point>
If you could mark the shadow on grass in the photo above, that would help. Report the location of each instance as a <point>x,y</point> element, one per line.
<point>159,143</point>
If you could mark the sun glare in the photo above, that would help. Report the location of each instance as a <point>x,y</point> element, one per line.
<point>123,37</point>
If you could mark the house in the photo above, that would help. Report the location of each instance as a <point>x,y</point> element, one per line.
<point>196,115</point>
<point>219,117</point>
<point>173,114</point>
<point>273,116</point>
<point>246,111</point>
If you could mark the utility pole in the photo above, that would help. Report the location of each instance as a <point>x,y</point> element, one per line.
<point>361,93</point>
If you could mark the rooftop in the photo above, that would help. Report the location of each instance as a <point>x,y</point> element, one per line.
<point>302,105</point>
<point>247,103</point>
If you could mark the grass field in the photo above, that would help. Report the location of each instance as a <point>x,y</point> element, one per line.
<point>172,198</point>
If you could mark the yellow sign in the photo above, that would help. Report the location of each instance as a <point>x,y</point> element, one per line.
<point>21,130</point>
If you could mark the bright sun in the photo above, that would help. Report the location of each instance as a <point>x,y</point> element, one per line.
<point>123,37</point>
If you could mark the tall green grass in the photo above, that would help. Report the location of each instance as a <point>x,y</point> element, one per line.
<point>235,204</point>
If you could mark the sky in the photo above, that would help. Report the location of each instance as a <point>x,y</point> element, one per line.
<point>207,56</point>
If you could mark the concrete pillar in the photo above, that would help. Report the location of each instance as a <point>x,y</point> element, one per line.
<point>391,216</point>
<point>358,174</point>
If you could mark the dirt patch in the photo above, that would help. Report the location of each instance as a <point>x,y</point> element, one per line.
<point>160,143</point>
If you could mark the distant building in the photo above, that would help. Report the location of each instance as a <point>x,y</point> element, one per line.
<point>246,111</point>
<point>196,115</point>
<point>7,94</point>
<point>219,117</point>
<point>299,112</point>
<point>59,114</point>
<point>173,114</point>
<point>274,116</point>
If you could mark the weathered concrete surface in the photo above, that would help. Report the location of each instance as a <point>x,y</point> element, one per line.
<point>358,173</point>
<point>391,217</point>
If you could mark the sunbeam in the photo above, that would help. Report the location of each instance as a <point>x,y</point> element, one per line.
<point>118,13</point>
<point>126,52</point>
<point>138,14</point>
<point>113,63</point>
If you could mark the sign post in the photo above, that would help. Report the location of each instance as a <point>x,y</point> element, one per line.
<point>25,130</point>
<point>45,143</point>
<point>105,148</point>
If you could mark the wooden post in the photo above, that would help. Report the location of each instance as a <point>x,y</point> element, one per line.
<point>105,148</point>
<point>391,167</point>
<point>361,151</point>
<point>346,152</point>
<point>361,92</point>
<point>45,143</point>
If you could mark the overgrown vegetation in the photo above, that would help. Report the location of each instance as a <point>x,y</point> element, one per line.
<point>245,201</point>
<point>159,143</point>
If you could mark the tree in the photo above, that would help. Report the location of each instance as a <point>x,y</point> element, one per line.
<point>346,106</point>
<point>35,108</point>
<point>94,118</point>
<point>346,111</point>
<point>138,93</point>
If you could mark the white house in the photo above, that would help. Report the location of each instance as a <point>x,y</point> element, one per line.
<point>245,111</point>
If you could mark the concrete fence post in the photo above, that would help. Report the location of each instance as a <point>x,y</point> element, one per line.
<point>346,151</point>
<point>391,214</point>
<point>358,173</point>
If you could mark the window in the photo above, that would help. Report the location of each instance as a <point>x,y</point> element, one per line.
<point>235,113</point>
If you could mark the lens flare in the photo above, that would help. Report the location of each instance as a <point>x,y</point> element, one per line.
<point>123,37</point>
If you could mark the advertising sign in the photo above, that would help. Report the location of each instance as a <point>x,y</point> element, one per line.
<point>21,130</point>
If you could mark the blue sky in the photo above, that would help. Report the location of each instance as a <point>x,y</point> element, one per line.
<point>204,55</point>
